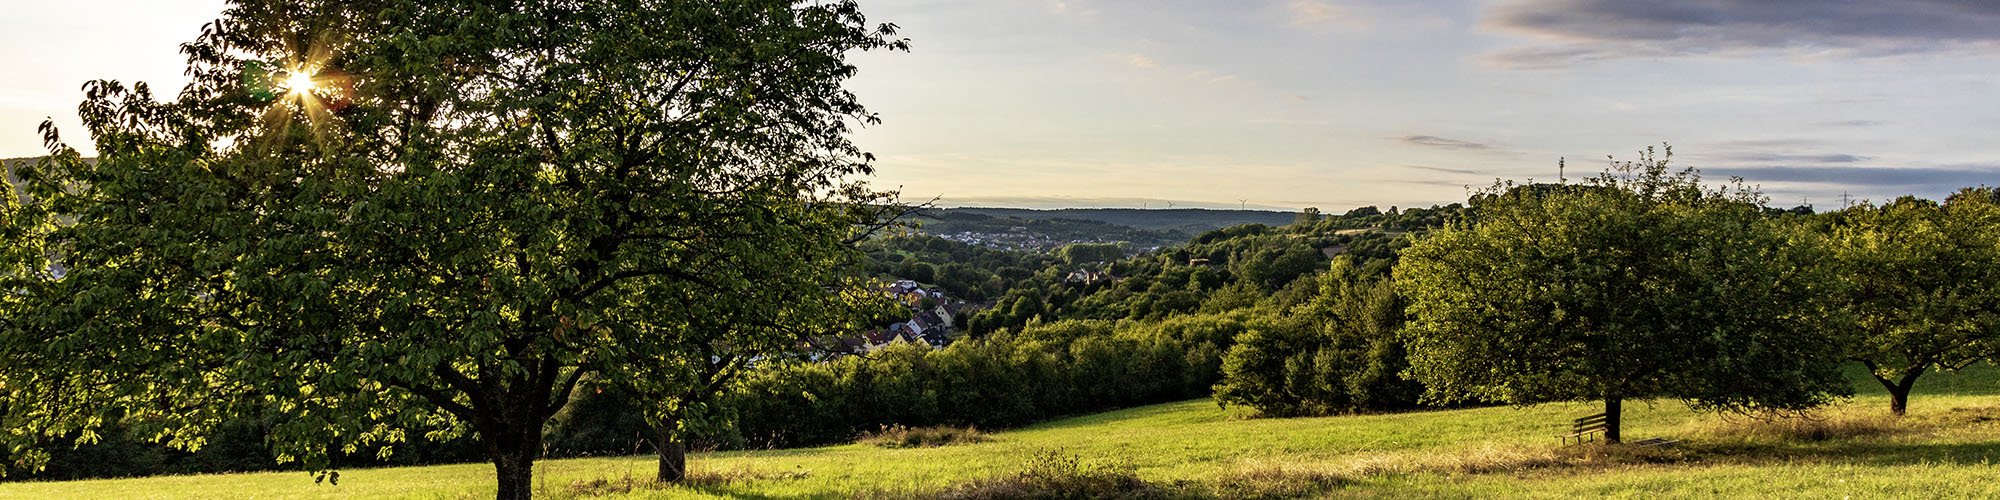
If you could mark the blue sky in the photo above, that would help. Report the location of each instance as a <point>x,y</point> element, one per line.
<point>1324,103</point>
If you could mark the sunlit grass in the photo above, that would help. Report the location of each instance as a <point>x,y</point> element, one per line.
<point>1943,449</point>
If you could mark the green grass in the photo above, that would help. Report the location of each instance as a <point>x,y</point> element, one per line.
<point>1943,449</point>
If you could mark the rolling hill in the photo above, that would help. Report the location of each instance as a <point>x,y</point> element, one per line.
<point>1192,220</point>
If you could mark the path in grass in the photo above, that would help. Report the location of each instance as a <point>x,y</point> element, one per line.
<point>1197,441</point>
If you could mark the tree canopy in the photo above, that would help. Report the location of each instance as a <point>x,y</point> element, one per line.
<point>1925,291</point>
<point>1639,283</point>
<point>445,217</point>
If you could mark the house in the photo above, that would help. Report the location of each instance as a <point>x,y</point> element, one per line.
<point>1088,277</point>
<point>903,331</point>
<point>927,321</point>
<point>943,312</point>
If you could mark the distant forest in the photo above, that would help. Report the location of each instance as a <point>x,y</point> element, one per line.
<point>1192,220</point>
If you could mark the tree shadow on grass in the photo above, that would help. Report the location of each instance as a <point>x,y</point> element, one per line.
<point>1873,453</point>
<point>1114,416</point>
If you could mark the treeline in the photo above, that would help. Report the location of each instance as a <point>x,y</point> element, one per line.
<point>1010,379</point>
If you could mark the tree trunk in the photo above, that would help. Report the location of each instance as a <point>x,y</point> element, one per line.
<point>673,454</point>
<point>515,472</point>
<point>1613,406</point>
<point>1899,392</point>
<point>1899,389</point>
<point>513,449</point>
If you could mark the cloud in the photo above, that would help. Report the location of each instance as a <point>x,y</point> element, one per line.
<point>1791,158</point>
<point>1443,169</point>
<point>1851,123</point>
<point>1140,61</point>
<point>1581,31</point>
<point>1937,178</point>
<point>1320,13</point>
<point>1443,142</point>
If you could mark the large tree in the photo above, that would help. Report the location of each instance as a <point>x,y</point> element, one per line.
<point>1639,283</point>
<point>380,217</point>
<point>1925,285</point>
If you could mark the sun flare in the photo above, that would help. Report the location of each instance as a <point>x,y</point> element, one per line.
<point>299,82</point>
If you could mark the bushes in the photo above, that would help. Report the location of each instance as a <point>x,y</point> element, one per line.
<point>1337,353</point>
<point>1007,380</point>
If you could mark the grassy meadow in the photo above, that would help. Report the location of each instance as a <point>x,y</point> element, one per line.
<point>1944,448</point>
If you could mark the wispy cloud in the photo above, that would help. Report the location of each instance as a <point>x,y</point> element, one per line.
<point>1851,123</point>
<point>1068,8</point>
<point>1445,170</point>
<point>1135,60</point>
<point>1580,31</point>
<point>1322,14</point>
<point>1443,142</point>
<point>1792,158</point>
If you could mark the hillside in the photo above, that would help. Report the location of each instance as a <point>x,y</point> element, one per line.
<point>1191,220</point>
<point>1942,450</point>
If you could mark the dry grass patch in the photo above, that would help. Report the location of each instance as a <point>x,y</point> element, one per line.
<point>702,478</point>
<point>1807,428</point>
<point>897,436</point>
<point>696,479</point>
<point>1271,480</point>
<point>601,486</point>
<point>1281,476</point>
<point>1054,474</point>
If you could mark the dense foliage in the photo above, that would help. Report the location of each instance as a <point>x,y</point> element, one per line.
<point>1339,352</point>
<point>1011,379</point>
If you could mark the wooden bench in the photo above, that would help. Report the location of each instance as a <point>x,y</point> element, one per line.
<point>1586,428</point>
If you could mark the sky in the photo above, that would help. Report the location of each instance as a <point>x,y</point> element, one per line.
<point>1286,104</point>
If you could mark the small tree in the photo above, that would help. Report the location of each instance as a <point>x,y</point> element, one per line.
<point>445,219</point>
<point>1636,284</point>
<point>1925,285</point>
<point>1307,217</point>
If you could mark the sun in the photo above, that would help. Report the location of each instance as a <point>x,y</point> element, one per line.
<point>299,82</point>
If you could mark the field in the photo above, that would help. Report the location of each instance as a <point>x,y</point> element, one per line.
<point>1945,448</point>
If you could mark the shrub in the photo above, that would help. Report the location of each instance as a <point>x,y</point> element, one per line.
<point>897,436</point>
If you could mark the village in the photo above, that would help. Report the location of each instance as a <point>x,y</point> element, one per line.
<point>934,317</point>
